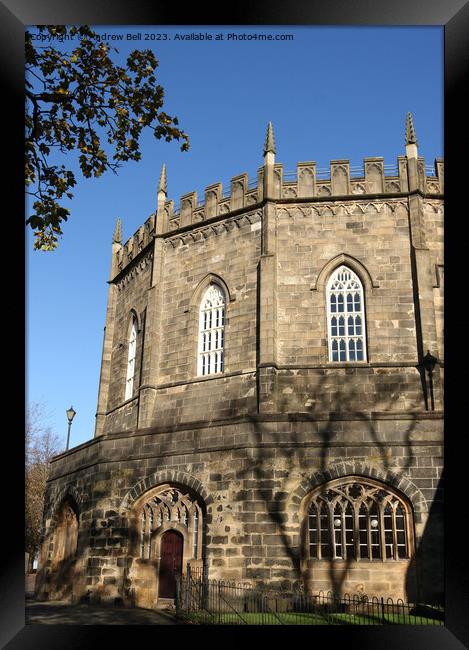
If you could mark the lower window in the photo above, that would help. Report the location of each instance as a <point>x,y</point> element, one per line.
<point>358,519</point>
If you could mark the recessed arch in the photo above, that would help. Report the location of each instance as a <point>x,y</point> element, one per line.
<point>357,518</point>
<point>205,282</point>
<point>70,493</point>
<point>359,467</point>
<point>159,478</point>
<point>353,263</point>
<point>133,315</point>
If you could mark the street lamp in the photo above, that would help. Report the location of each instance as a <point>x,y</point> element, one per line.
<point>70,415</point>
<point>429,362</point>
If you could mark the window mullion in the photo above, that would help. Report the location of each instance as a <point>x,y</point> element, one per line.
<point>394,532</point>
<point>330,511</point>
<point>318,527</point>
<point>343,534</point>
<point>368,524</point>
<point>382,540</point>
<point>356,529</point>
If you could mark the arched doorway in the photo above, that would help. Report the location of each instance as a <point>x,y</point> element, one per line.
<point>170,563</point>
<point>160,556</point>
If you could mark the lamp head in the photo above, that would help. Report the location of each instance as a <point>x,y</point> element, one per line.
<point>429,362</point>
<point>70,414</point>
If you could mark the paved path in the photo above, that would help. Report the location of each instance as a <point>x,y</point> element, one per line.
<point>57,612</point>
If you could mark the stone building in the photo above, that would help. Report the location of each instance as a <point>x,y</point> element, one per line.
<point>266,408</point>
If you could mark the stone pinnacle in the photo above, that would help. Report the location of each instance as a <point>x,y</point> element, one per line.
<point>117,238</point>
<point>162,186</point>
<point>410,137</point>
<point>269,140</point>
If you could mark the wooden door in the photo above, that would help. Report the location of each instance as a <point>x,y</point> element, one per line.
<point>170,563</point>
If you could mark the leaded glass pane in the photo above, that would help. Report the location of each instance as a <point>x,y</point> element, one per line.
<point>351,350</point>
<point>341,326</point>
<point>335,533</point>
<point>325,532</point>
<point>335,352</point>
<point>129,382</point>
<point>345,297</point>
<point>374,532</point>
<point>342,354</point>
<point>363,531</point>
<point>211,336</point>
<point>388,531</point>
<point>360,355</point>
<point>337,525</point>
<point>349,531</point>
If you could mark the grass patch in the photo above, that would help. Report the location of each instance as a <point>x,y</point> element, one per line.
<point>299,618</point>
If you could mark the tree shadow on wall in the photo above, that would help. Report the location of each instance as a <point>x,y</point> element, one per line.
<point>329,437</point>
<point>64,578</point>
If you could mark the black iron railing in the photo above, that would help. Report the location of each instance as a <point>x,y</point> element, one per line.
<point>217,602</point>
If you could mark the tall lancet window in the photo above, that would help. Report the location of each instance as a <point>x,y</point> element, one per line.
<point>345,316</point>
<point>129,383</point>
<point>211,331</point>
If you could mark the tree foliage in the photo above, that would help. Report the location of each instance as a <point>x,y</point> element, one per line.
<point>41,443</point>
<point>75,101</point>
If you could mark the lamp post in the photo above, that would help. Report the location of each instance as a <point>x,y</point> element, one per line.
<point>429,362</point>
<point>70,415</point>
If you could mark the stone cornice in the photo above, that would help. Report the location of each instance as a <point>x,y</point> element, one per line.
<point>202,230</point>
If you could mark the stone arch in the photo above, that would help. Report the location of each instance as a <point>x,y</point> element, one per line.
<point>306,175</point>
<point>133,313</point>
<point>70,492</point>
<point>159,478</point>
<point>146,531</point>
<point>352,262</point>
<point>211,203</point>
<point>356,467</point>
<point>237,195</point>
<point>59,548</point>
<point>210,278</point>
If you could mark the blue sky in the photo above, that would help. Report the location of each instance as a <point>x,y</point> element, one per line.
<point>331,93</point>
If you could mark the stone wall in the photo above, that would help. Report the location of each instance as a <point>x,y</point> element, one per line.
<point>252,477</point>
<point>252,443</point>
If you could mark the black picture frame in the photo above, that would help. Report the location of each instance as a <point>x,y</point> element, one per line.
<point>454,16</point>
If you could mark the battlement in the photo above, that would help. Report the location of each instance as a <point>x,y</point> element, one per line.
<point>134,245</point>
<point>307,182</point>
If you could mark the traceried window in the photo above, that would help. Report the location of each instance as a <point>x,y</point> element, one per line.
<point>129,382</point>
<point>170,506</point>
<point>211,332</point>
<point>358,520</point>
<point>345,316</point>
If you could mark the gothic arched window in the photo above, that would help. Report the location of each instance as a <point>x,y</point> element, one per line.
<point>211,331</point>
<point>358,519</point>
<point>168,507</point>
<point>129,382</point>
<point>345,316</point>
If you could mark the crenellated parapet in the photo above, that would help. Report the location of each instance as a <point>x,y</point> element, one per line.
<point>126,253</point>
<point>307,183</point>
<point>341,179</point>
